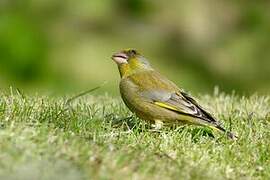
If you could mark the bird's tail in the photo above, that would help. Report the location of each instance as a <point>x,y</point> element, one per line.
<point>229,134</point>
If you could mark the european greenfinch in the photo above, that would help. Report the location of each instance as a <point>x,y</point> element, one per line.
<point>154,98</point>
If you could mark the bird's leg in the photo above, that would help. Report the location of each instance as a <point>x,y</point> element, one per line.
<point>157,126</point>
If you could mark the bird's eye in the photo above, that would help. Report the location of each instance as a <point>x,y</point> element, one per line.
<point>133,52</point>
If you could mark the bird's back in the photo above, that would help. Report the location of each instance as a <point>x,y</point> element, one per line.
<point>151,80</point>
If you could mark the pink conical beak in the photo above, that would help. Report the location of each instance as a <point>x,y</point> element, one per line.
<point>120,58</point>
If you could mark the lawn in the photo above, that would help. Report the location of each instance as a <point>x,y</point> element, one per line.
<point>96,137</point>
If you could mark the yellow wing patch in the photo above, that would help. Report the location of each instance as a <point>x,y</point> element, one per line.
<point>184,117</point>
<point>166,106</point>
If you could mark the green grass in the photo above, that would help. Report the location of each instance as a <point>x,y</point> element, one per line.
<point>92,138</point>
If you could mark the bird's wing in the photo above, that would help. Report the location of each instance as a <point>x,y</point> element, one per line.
<point>179,102</point>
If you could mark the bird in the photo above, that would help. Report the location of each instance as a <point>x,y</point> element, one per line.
<point>156,99</point>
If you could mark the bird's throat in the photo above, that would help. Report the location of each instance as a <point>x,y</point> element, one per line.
<point>124,70</point>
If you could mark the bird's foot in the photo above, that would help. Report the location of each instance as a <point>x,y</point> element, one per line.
<point>157,126</point>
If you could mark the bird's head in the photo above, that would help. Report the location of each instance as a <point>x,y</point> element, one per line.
<point>130,61</point>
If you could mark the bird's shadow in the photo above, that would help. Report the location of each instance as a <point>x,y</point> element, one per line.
<point>130,123</point>
<point>134,124</point>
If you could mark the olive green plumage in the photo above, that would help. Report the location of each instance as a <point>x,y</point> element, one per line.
<point>154,98</point>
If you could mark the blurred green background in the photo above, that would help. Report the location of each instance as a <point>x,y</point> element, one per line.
<point>66,45</point>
